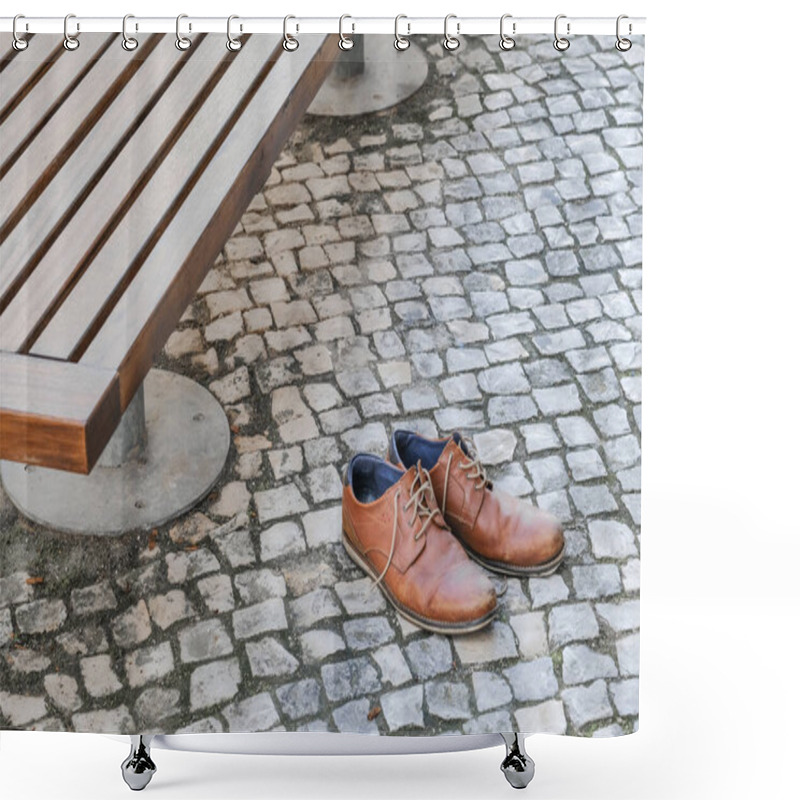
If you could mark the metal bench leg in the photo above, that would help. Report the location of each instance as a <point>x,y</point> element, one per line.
<point>369,77</point>
<point>517,766</point>
<point>168,451</point>
<point>138,768</point>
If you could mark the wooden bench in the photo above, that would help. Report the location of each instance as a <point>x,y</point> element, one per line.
<point>122,174</point>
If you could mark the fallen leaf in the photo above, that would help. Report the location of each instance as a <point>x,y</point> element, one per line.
<point>373,712</point>
<point>34,581</point>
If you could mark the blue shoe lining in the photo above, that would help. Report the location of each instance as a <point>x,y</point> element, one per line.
<point>370,477</point>
<point>410,447</point>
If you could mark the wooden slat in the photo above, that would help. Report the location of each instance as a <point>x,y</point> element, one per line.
<point>55,414</point>
<point>141,220</point>
<point>70,121</point>
<point>123,144</point>
<point>140,323</point>
<point>19,66</point>
<point>28,215</point>
<point>38,97</point>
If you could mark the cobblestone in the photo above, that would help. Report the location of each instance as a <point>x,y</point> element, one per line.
<point>476,266</point>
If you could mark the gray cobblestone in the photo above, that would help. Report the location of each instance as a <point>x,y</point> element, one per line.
<point>596,580</point>
<point>353,717</point>
<point>257,713</point>
<point>493,643</point>
<point>309,609</point>
<point>132,626</point>
<point>149,664</point>
<point>447,700</point>
<point>99,677</point>
<point>167,609</point>
<point>260,618</point>
<point>569,623</point>
<point>41,616</point>
<point>214,683</point>
<point>625,696</point>
<point>611,539</point>
<point>628,654</point>
<point>347,679</point>
<point>582,664</point>
<point>98,597</point>
<point>204,641</point>
<point>479,268</point>
<point>532,680</point>
<point>429,657</point>
<point>63,691</point>
<point>587,704</point>
<point>403,708</point>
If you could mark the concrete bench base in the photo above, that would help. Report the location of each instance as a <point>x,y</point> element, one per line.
<point>165,455</point>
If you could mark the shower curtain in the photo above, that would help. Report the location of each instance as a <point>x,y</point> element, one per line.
<point>424,332</point>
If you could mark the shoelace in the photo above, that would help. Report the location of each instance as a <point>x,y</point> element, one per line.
<point>471,462</point>
<point>425,510</point>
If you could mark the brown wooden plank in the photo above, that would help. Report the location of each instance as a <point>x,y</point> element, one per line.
<point>136,223</point>
<point>24,201</point>
<point>138,326</point>
<point>88,189</point>
<point>56,414</point>
<point>18,66</point>
<point>36,99</point>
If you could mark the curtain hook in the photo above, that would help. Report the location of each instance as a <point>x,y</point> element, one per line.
<point>129,43</point>
<point>400,42</point>
<point>19,43</point>
<point>71,42</point>
<point>290,43</point>
<point>561,43</point>
<point>233,44</point>
<point>449,42</point>
<point>623,45</point>
<point>182,42</point>
<point>506,41</point>
<point>345,42</point>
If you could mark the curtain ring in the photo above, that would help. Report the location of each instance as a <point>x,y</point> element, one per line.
<point>233,43</point>
<point>129,43</point>
<point>449,42</point>
<point>345,42</point>
<point>182,42</point>
<point>290,43</point>
<point>19,43</point>
<point>71,42</point>
<point>506,41</point>
<point>623,45</point>
<point>561,43</point>
<point>400,42</point>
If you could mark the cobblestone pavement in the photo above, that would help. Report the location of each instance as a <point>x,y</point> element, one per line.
<point>471,260</point>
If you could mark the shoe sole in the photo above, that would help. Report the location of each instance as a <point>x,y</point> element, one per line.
<point>536,571</point>
<point>423,622</point>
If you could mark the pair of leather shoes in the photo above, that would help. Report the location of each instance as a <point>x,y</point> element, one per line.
<point>413,522</point>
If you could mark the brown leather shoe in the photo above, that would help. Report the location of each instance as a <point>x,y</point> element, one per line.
<point>393,529</point>
<point>501,532</point>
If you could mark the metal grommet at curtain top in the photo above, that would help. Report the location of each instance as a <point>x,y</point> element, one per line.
<point>345,42</point>
<point>128,42</point>
<point>182,42</point>
<point>400,42</point>
<point>19,43</point>
<point>290,43</point>
<point>506,41</point>
<point>561,43</point>
<point>450,42</point>
<point>233,44</point>
<point>623,45</point>
<point>71,42</point>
